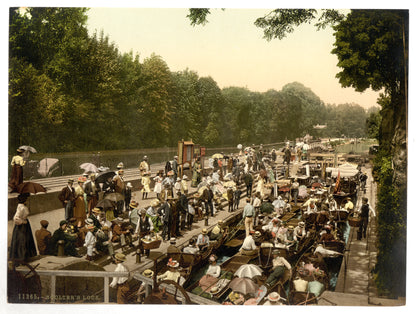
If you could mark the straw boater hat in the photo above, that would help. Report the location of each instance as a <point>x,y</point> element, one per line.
<point>172,240</point>
<point>148,273</point>
<point>178,179</point>
<point>120,257</point>
<point>184,177</point>
<point>301,223</point>
<point>133,204</point>
<point>19,150</point>
<point>129,185</point>
<point>155,203</point>
<point>120,165</point>
<point>204,231</point>
<point>90,226</point>
<point>70,180</point>
<point>96,210</point>
<point>89,221</point>
<point>273,297</point>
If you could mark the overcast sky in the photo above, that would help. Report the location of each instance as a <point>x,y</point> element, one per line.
<point>230,49</point>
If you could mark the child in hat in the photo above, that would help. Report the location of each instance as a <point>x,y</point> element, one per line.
<point>90,241</point>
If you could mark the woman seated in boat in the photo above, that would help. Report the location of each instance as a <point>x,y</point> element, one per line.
<point>349,205</point>
<point>311,206</point>
<point>212,274</point>
<point>172,273</point>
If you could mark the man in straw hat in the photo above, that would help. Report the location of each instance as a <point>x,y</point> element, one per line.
<point>95,212</point>
<point>90,241</point>
<point>121,283</point>
<point>280,264</point>
<point>203,239</point>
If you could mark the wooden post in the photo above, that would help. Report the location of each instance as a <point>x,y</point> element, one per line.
<point>53,287</point>
<point>106,290</point>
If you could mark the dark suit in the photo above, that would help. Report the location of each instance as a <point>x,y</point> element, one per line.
<point>67,197</point>
<point>92,195</point>
<point>166,212</point>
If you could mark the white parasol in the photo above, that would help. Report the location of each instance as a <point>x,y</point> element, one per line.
<point>248,271</point>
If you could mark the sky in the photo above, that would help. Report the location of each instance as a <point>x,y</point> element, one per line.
<point>230,49</point>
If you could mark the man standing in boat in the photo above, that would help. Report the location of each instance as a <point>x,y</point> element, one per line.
<point>248,215</point>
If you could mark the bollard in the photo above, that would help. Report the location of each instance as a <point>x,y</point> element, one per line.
<point>138,257</point>
<point>206,220</point>
<point>61,248</point>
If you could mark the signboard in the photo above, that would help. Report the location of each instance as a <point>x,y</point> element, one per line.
<point>180,152</point>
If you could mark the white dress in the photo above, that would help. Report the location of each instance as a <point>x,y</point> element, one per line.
<point>158,185</point>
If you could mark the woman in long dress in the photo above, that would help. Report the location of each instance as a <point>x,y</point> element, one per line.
<point>17,170</point>
<point>211,276</point>
<point>80,208</point>
<point>22,247</point>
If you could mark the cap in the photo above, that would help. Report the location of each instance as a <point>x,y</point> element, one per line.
<point>44,223</point>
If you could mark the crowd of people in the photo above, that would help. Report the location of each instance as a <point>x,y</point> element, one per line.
<point>100,216</point>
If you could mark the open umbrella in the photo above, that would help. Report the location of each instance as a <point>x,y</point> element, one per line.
<point>219,156</point>
<point>115,197</point>
<point>88,167</point>
<point>103,177</point>
<point>105,204</point>
<point>28,148</point>
<point>248,271</point>
<point>47,165</point>
<point>243,285</point>
<point>30,187</point>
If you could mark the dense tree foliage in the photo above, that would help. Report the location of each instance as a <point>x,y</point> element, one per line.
<point>89,96</point>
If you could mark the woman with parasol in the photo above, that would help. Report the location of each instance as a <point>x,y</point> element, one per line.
<point>22,247</point>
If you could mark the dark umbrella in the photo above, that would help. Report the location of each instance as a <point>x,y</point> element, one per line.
<point>105,204</point>
<point>30,187</point>
<point>243,285</point>
<point>115,197</point>
<point>103,177</point>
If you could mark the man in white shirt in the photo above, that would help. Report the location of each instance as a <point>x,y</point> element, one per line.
<point>249,246</point>
<point>248,214</point>
<point>280,264</point>
<point>191,248</point>
<point>121,282</point>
